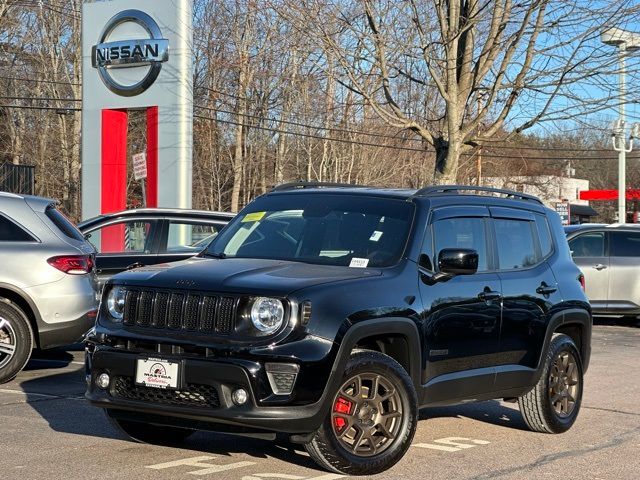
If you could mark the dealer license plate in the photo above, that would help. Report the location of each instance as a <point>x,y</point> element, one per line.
<point>157,373</point>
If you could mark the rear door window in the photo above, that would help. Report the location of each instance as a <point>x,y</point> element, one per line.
<point>625,244</point>
<point>591,244</point>
<point>132,237</point>
<point>11,232</point>
<point>63,224</point>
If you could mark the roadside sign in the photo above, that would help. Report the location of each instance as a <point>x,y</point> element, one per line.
<point>140,166</point>
<point>564,211</point>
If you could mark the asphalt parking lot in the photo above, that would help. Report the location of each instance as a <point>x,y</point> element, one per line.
<point>48,431</point>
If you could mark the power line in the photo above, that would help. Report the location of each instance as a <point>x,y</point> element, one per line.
<point>378,135</point>
<point>40,80</point>
<point>392,147</point>
<point>45,99</point>
<point>356,132</point>
<point>30,107</point>
<point>309,135</point>
<point>394,137</point>
<point>306,135</point>
<point>304,125</point>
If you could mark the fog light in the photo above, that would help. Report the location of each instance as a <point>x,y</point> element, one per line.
<point>240,396</point>
<point>103,381</point>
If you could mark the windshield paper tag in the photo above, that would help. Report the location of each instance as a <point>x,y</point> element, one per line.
<point>375,236</point>
<point>253,217</point>
<point>359,262</point>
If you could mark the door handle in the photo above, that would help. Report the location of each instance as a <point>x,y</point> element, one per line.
<point>545,289</point>
<point>134,265</point>
<point>487,295</point>
<point>599,266</point>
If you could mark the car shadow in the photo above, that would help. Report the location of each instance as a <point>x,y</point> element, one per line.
<point>617,322</point>
<point>493,412</point>
<point>58,398</point>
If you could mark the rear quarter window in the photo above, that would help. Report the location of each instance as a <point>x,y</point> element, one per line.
<point>12,232</point>
<point>63,224</point>
<point>544,234</point>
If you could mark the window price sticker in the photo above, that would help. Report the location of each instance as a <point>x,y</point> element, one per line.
<point>359,262</point>
<point>375,236</point>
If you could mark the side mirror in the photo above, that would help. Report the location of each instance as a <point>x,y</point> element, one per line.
<point>458,261</point>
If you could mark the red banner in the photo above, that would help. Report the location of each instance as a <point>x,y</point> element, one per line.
<point>608,194</point>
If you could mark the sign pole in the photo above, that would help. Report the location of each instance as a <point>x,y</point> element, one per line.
<point>144,192</point>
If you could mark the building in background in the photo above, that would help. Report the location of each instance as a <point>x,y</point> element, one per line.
<point>553,190</point>
<point>20,179</point>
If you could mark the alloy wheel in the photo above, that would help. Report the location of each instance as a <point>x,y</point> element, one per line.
<point>564,384</point>
<point>367,414</point>
<point>7,342</point>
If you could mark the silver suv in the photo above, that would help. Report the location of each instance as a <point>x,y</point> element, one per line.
<point>609,257</point>
<point>47,280</point>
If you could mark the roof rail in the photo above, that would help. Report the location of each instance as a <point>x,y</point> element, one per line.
<point>456,189</point>
<point>302,184</point>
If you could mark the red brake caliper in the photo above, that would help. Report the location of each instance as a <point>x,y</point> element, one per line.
<point>341,406</point>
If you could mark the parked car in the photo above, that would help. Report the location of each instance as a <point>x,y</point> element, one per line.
<point>609,257</point>
<point>47,281</point>
<point>148,236</point>
<point>333,313</point>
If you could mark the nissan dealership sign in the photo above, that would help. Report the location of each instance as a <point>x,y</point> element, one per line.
<point>151,52</point>
<point>136,55</point>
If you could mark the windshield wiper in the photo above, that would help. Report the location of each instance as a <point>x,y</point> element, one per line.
<point>213,255</point>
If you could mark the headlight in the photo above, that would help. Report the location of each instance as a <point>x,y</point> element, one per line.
<point>115,302</point>
<point>267,314</point>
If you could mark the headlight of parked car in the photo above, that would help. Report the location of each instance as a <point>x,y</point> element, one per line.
<point>115,302</point>
<point>267,314</point>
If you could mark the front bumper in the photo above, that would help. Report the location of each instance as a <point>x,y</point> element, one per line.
<point>213,379</point>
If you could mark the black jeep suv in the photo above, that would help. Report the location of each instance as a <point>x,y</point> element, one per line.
<point>332,313</point>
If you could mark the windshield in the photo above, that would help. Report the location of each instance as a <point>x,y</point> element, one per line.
<point>347,230</point>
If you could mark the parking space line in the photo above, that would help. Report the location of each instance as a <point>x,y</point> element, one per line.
<point>328,476</point>
<point>221,468</point>
<point>452,444</point>
<point>3,390</point>
<point>204,468</point>
<point>194,462</point>
<point>435,447</point>
<point>279,476</point>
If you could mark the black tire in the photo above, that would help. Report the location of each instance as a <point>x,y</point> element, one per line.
<point>15,331</point>
<point>148,433</point>
<point>537,406</point>
<point>326,449</point>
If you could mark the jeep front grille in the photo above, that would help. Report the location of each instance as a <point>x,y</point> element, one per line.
<point>190,312</point>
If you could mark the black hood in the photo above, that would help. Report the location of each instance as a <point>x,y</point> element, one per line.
<point>240,275</point>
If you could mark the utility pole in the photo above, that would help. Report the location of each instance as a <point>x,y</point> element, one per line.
<point>479,159</point>
<point>625,42</point>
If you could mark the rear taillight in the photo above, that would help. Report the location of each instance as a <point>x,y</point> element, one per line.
<point>72,264</point>
<point>581,280</point>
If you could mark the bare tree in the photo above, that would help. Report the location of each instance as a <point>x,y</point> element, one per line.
<point>487,62</point>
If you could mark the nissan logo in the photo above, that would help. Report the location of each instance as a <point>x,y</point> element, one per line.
<point>150,52</point>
